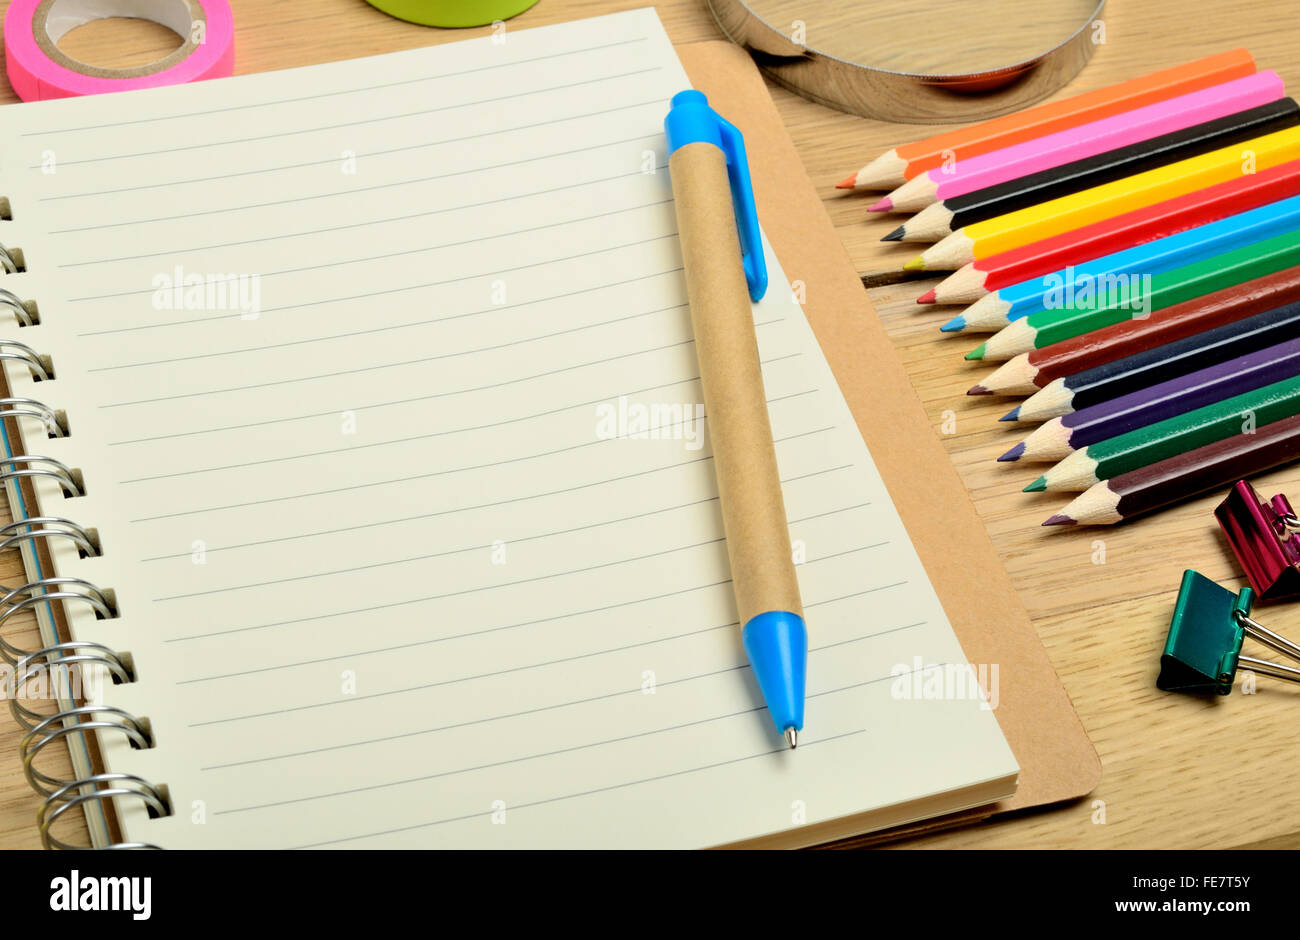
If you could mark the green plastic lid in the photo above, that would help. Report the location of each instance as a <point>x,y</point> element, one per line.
<point>452,12</point>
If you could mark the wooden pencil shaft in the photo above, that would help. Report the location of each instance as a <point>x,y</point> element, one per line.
<point>1108,200</point>
<point>1188,354</point>
<point>1092,353</point>
<point>1167,289</point>
<point>1113,165</point>
<point>1182,394</point>
<point>1207,468</point>
<point>1079,109</point>
<point>1141,225</point>
<point>1241,414</point>
<point>744,458</point>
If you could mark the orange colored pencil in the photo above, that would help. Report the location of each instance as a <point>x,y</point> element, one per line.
<point>897,166</point>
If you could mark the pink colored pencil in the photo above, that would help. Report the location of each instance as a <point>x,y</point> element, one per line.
<point>1079,143</point>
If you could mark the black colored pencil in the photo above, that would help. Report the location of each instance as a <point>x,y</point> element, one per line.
<point>1161,363</point>
<point>940,219</point>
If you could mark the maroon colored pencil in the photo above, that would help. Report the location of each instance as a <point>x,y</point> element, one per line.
<point>1184,476</point>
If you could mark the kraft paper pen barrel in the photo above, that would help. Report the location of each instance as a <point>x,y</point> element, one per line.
<point>722,254</point>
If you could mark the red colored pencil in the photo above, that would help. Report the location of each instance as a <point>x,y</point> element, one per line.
<point>1110,235</point>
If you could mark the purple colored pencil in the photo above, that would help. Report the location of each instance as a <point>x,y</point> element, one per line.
<point>1062,436</point>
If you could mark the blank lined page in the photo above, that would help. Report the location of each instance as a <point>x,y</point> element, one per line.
<point>380,376</point>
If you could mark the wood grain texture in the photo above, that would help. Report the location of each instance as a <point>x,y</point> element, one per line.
<point>1177,772</point>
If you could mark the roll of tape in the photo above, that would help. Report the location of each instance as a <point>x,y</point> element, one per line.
<point>38,69</point>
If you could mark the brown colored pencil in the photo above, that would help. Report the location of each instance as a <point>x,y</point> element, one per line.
<point>1029,372</point>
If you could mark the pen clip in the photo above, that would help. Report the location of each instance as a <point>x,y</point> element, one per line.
<point>691,120</point>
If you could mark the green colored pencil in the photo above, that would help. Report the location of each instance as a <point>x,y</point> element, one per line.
<point>1121,298</point>
<point>1106,459</point>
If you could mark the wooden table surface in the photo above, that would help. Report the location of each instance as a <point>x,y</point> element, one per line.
<point>1177,772</point>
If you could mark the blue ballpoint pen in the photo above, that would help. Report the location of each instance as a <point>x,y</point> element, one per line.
<point>722,255</point>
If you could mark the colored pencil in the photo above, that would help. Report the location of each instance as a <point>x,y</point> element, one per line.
<point>1241,414</point>
<point>938,220</point>
<point>1134,298</point>
<point>1170,217</point>
<point>1087,140</point>
<point>1107,201</point>
<point>1146,358</point>
<point>996,310</point>
<point>1060,437</point>
<point>1169,481</point>
<point>902,163</point>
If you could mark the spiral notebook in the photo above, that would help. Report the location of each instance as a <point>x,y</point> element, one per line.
<point>370,391</point>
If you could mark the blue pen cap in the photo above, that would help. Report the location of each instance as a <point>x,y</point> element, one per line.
<point>692,121</point>
<point>777,646</point>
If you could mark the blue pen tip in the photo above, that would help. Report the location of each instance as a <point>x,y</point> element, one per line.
<point>777,645</point>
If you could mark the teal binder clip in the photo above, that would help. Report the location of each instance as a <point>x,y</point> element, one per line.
<point>1203,651</point>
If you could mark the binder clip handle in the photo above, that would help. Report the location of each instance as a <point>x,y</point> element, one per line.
<point>1265,537</point>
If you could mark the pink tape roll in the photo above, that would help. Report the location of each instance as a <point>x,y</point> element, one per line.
<point>38,69</point>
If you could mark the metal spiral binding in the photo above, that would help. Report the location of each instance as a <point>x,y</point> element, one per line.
<point>8,261</point>
<point>59,657</point>
<point>42,467</point>
<point>14,302</point>
<point>67,659</point>
<point>106,786</point>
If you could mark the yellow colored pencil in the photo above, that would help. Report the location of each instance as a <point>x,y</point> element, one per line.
<point>1034,223</point>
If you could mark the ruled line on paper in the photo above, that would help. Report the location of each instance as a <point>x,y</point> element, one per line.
<point>374,445</point>
<point>323,301</point>
<point>406,602</point>
<point>362,122</point>
<point>430,397</point>
<point>434,473</point>
<point>424,778</point>
<point>368,368</point>
<point>420,732</point>
<point>411,559</point>
<point>364,259</point>
<point>733,666</point>
<point>425,516</point>
<point>208,112</point>
<point>226,210</point>
<point>780,749</point>
<point>237,174</point>
<point>416,644</point>
<point>433,396</point>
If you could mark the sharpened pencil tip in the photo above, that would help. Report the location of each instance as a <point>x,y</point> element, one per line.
<point>1014,453</point>
<point>926,298</point>
<point>1060,519</point>
<point>977,352</point>
<point>1012,415</point>
<point>978,390</point>
<point>895,236</point>
<point>916,264</point>
<point>1037,486</point>
<point>792,738</point>
<point>883,205</point>
<point>848,182</point>
<point>955,325</point>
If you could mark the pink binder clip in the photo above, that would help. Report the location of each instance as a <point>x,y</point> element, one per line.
<point>1265,536</point>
